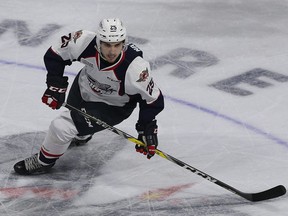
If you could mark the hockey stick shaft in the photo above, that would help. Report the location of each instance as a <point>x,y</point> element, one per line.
<point>264,195</point>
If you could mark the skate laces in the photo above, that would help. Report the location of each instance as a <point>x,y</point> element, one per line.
<point>32,163</point>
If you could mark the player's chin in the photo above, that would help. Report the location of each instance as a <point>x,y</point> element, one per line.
<point>111,60</point>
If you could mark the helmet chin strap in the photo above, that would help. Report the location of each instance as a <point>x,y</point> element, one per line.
<point>100,53</point>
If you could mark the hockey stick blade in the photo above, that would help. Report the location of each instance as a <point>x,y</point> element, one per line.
<point>271,193</point>
<point>254,197</point>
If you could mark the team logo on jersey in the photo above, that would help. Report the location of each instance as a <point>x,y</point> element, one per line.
<point>99,88</point>
<point>113,80</point>
<point>143,76</point>
<point>77,35</point>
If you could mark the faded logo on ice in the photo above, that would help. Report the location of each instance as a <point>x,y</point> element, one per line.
<point>23,34</point>
<point>253,78</point>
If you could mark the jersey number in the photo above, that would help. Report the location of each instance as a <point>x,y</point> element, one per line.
<point>65,40</point>
<point>150,87</point>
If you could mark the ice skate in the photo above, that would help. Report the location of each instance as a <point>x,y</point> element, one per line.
<point>30,166</point>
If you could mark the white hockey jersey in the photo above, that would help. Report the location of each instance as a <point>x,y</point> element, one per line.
<point>100,81</point>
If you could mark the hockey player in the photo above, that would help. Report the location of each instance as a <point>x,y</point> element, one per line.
<point>114,79</point>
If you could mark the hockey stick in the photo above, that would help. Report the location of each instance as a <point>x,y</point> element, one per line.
<point>254,197</point>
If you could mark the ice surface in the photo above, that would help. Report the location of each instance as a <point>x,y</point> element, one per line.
<point>205,56</point>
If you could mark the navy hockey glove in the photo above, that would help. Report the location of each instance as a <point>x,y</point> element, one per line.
<point>54,96</point>
<point>148,134</point>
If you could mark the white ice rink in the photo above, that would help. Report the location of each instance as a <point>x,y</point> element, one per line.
<point>222,66</point>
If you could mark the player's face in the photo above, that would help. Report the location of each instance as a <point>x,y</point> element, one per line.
<point>111,51</point>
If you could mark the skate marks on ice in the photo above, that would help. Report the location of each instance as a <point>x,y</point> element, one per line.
<point>75,164</point>
<point>54,192</point>
<point>73,175</point>
<point>143,206</point>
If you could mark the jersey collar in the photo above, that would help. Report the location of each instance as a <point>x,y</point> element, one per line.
<point>105,66</point>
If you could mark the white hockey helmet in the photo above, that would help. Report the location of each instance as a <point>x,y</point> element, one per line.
<point>111,30</point>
